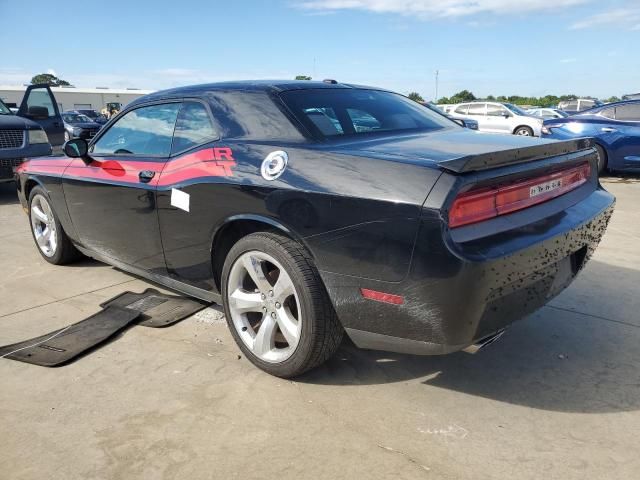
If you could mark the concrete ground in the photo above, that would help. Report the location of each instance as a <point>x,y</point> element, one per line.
<point>557,398</point>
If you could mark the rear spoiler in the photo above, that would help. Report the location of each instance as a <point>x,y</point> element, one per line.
<point>486,161</point>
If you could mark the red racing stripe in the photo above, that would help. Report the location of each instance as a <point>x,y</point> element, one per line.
<point>208,162</point>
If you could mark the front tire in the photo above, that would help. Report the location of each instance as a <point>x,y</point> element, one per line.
<point>276,305</point>
<point>51,240</point>
<point>523,131</point>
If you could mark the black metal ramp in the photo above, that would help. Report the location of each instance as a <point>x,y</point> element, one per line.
<point>157,309</point>
<point>59,347</point>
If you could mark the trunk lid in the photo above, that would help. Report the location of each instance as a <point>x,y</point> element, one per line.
<point>461,151</point>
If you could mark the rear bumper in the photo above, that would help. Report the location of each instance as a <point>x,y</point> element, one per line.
<point>455,297</point>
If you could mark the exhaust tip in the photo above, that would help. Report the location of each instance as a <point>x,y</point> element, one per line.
<point>486,341</point>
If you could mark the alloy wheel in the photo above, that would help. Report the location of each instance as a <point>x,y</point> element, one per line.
<point>264,306</point>
<point>44,226</point>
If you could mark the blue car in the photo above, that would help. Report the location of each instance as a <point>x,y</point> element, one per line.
<point>615,128</point>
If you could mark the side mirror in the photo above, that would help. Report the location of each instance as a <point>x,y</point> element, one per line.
<point>77,148</point>
<point>38,113</point>
<point>506,114</point>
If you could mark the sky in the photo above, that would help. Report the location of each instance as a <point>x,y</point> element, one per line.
<point>490,47</point>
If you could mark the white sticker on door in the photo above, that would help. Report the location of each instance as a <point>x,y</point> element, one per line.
<point>180,199</point>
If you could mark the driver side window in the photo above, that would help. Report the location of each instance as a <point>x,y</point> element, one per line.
<point>494,110</point>
<point>143,131</point>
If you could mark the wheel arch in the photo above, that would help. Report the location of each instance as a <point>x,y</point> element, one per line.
<point>523,126</point>
<point>603,146</point>
<point>238,226</point>
<point>29,184</point>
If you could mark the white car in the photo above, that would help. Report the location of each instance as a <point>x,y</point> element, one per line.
<point>547,113</point>
<point>496,117</point>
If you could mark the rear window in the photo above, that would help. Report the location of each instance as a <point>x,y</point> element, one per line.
<point>331,113</point>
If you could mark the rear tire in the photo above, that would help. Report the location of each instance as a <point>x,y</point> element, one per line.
<point>523,131</point>
<point>270,284</point>
<point>51,240</point>
<point>602,160</point>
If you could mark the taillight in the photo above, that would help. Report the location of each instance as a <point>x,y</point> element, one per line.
<point>481,204</point>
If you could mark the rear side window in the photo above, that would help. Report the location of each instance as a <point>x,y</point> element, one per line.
<point>193,127</point>
<point>330,112</point>
<point>462,109</point>
<point>628,113</point>
<point>476,109</point>
<point>143,131</point>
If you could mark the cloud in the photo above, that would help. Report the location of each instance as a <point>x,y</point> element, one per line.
<point>426,9</point>
<point>153,79</point>
<point>14,76</point>
<point>620,18</point>
<point>177,72</point>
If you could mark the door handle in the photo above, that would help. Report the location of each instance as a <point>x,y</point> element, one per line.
<point>608,130</point>
<point>145,176</point>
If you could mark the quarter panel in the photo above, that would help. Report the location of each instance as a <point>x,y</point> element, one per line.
<point>358,216</point>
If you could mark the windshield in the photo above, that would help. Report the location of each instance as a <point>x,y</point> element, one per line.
<point>89,113</point>
<point>75,118</point>
<point>345,112</point>
<point>4,110</point>
<point>515,109</point>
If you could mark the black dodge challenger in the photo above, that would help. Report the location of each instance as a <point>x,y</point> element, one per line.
<point>310,209</point>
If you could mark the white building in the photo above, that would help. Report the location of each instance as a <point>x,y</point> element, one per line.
<point>71,98</point>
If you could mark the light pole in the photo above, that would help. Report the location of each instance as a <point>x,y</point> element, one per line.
<point>435,100</point>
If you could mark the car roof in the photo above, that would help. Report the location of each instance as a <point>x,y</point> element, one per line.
<point>623,102</point>
<point>260,85</point>
<point>249,85</point>
<point>599,108</point>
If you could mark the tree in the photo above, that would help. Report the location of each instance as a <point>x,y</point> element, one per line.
<point>416,97</point>
<point>303,77</point>
<point>463,96</point>
<point>546,101</point>
<point>612,99</point>
<point>48,79</point>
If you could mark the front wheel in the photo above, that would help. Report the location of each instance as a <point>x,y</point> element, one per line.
<point>276,305</point>
<point>524,131</point>
<point>53,243</point>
